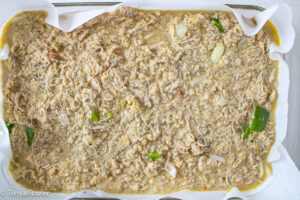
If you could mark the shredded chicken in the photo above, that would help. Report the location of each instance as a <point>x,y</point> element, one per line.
<point>149,76</point>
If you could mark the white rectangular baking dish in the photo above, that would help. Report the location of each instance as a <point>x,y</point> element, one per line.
<point>286,34</point>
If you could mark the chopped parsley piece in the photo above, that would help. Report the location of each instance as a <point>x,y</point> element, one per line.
<point>95,116</point>
<point>259,122</point>
<point>29,134</point>
<point>246,132</point>
<point>217,23</point>
<point>109,115</point>
<point>9,126</point>
<point>153,155</point>
<point>261,117</point>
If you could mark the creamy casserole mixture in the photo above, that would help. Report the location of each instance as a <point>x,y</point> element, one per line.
<point>139,102</point>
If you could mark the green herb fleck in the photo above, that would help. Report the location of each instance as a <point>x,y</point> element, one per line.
<point>217,24</point>
<point>95,116</point>
<point>123,103</point>
<point>261,117</point>
<point>16,160</point>
<point>246,132</point>
<point>257,152</point>
<point>109,115</point>
<point>153,155</point>
<point>29,134</point>
<point>9,126</point>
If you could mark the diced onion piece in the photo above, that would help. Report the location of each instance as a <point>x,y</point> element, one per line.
<point>171,169</point>
<point>17,19</point>
<point>134,187</point>
<point>222,100</point>
<point>199,80</point>
<point>218,158</point>
<point>272,76</point>
<point>268,171</point>
<point>217,53</point>
<point>201,163</point>
<point>63,118</point>
<point>181,29</point>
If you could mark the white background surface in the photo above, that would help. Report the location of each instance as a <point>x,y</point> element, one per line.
<point>292,140</point>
